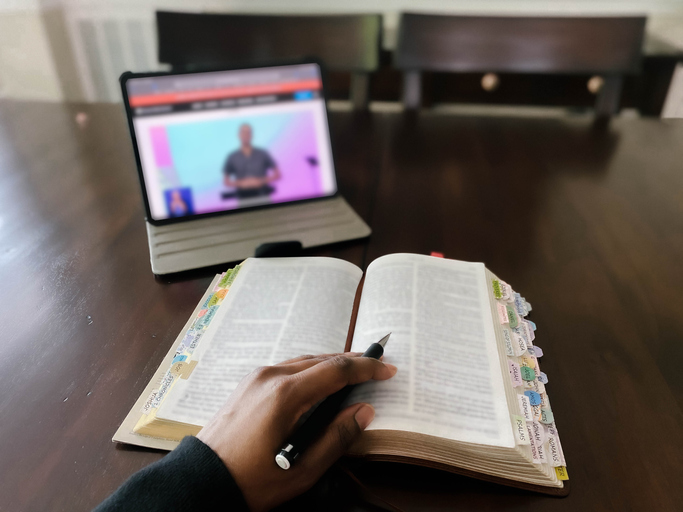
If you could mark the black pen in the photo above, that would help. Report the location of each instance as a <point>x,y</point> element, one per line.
<point>322,415</point>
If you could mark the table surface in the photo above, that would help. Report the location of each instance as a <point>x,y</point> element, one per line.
<point>586,222</point>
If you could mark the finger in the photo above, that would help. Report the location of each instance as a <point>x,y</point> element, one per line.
<point>311,356</point>
<point>335,440</point>
<point>303,364</point>
<point>330,375</point>
<point>301,358</point>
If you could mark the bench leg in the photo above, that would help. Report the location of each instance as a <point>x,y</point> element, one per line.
<point>360,91</point>
<point>412,90</point>
<point>607,102</point>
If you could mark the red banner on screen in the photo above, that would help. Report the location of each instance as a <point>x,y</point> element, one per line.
<point>225,92</point>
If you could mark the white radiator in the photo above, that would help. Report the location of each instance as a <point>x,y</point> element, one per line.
<point>106,44</point>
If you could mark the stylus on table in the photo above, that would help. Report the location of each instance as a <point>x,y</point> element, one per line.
<point>322,415</point>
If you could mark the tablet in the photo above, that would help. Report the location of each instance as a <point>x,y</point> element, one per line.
<point>215,142</point>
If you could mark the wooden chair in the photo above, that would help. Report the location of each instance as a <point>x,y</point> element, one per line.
<point>342,43</point>
<point>608,46</point>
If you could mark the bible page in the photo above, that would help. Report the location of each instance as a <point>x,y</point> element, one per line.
<point>275,310</point>
<point>449,382</point>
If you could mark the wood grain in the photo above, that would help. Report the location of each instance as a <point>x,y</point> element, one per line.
<point>520,44</point>
<point>587,223</point>
<point>85,322</point>
<point>342,42</point>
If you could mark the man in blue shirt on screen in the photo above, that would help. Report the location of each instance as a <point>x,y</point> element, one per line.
<point>247,169</point>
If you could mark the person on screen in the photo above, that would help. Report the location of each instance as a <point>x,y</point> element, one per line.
<point>247,169</point>
<point>177,205</point>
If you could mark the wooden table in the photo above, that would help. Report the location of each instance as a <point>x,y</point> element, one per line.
<point>586,222</point>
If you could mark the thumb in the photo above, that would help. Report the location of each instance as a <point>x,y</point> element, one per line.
<point>337,438</point>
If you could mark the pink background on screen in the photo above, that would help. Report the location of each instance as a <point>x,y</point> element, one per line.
<point>162,149</point>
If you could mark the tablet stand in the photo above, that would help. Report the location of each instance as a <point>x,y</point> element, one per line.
<point>279,250</point>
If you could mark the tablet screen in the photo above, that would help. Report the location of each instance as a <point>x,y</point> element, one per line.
<point>227,140</point>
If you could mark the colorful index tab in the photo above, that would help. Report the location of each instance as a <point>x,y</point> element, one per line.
<point>537,368</point>
<point>519,344</point>
<point>520,305</point>
<point>546,415</point>
<point>233,275</point>
<point>497,293</point>
<point>532,444</point>
<point>506,291</point>
<point>528,332</point>
<point>543,377</point>
<point>534,399</point>
<point>527,373</point>
<point>515,375</point>
<point>539,387</point>
<point>224,280</point>
<point>217,297</point>
<point>528,361</point>
<point>218,284</point>
<point>556,458</point>
<point>150,400</point>
<point>525,407</point>
<point>502,314</point>
<point>521,432</point>
<point>538,351</point>
<point>542,457</point>
<point>532,363</point>
<point>561,472</point>
<point>507,339</point>
<point>206,318</point>
<point>555,437</point>
<point>512,316</point>
<point>537,411</point>
<point>538,432</point>
<point>177,367</point>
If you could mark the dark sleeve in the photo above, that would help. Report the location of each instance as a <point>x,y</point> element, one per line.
<point>190,478</point>
<point>228,169</point>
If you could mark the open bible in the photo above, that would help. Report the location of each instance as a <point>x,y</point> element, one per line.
<point>469,396</point>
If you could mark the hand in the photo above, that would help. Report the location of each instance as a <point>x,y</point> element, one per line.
<point>261,413</point>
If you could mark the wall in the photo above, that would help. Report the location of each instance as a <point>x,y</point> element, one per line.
<point>27,69</point>
<point>75,49</point>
